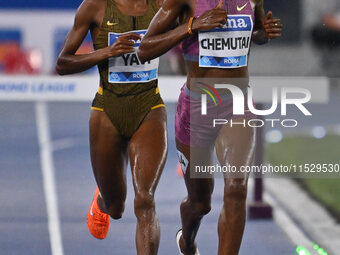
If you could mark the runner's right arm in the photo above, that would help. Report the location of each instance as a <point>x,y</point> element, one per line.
<point>68,62</point>
<point>162,35</point>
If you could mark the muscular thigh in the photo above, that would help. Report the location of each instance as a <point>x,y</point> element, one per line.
<point>235,145</point>
<point>148,151</point>
<point>108,157</point>
<point>199,187</point>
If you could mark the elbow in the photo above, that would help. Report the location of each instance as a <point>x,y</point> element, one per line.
<point>59,70</point>
<point>142,54</point>
<point>60,67</point>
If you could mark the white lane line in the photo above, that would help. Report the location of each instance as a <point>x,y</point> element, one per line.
<point>294,233</point>
<point>67,143</point>
<point>63,144</point>
<point>49,184</point>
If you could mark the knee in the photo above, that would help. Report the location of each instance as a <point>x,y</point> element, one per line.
<point>202,208</point>
<point>116,209</point>
<point>236,189</point>
<point>199,207</point>
<point>144,204</point>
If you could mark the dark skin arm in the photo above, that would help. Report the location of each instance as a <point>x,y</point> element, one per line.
<point>87,19</point>
<point>170,26</point>
<point>266,27</point>
<point>162,35</point>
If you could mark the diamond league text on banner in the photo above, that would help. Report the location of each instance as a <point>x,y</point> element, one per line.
<point>128,68</point>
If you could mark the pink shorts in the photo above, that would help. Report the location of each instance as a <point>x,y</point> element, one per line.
<point>197,130</point>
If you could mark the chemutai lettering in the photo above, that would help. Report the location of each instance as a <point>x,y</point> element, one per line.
<point>232,43</point>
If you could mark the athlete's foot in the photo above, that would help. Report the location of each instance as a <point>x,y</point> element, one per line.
<point>97,221</point>
<point>180,244</point>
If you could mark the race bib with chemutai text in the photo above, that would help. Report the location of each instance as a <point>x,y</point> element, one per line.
<point>228,46</point>
<point>128,68</point>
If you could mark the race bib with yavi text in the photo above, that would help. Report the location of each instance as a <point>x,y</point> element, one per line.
<point>128,68</point>
<point>228,46</point>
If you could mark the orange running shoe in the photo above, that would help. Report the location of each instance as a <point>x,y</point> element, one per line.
<point>97,221</point>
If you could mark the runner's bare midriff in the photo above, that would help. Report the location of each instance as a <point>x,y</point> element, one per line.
<point>238,76</point>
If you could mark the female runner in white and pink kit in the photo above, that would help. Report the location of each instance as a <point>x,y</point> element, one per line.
<point>216,38</point>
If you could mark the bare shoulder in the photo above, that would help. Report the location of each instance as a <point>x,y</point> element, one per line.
<point>89,7</point>
<point>88,11</point>
<point>93,3</point>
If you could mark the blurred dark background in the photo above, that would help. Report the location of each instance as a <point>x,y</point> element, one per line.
<point>290,12</point>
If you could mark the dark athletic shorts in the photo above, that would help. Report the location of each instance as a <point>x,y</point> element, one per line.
<point>127,112</point>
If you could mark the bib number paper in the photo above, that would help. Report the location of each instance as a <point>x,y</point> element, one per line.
<point>227,47</point>
<point>128,68</point>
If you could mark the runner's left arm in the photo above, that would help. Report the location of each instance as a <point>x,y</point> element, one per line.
<point>266,26</point>
<point>166,31</point>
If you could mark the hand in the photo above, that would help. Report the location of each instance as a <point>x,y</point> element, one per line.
<point>272,26</point>
<point>124,44</point>
<point>216,17</point>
